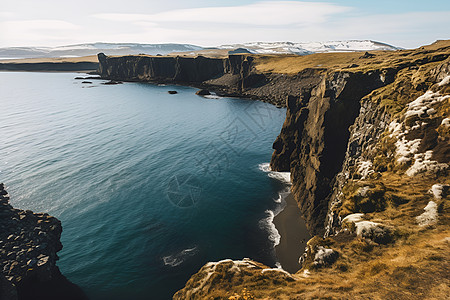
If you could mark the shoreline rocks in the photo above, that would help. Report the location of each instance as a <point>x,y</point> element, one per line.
<point>29,243</point>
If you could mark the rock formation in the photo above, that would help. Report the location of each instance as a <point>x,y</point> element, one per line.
<point>28,246</point>
<point>366,139</point>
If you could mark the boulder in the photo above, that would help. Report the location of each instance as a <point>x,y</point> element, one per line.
<point>202,92</point>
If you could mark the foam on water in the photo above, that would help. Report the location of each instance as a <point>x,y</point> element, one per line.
<point>284,177</point>
<point>180,257</point>
<point>267,223</point>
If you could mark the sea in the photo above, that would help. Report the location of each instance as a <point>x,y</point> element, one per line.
<point>149,186</point>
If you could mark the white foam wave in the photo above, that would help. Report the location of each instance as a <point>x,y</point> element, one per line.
<point>284,177</point>
<point>279,199</point>
<point>178,258</point>
<point>265,167</point>
<point>268,225</point>
<point>212,96</point>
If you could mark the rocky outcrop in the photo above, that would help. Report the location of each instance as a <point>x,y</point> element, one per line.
<point>29,243</point>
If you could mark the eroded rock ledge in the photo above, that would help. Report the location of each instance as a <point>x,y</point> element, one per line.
<point>29,243</point>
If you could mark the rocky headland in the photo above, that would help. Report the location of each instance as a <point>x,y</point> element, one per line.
<point>29,243</point>
<point>66,64</point>
<point>366,139</point>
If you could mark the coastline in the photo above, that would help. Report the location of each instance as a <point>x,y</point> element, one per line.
<point>294,235</point>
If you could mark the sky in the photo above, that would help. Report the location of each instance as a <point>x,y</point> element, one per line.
<point>401,23</point>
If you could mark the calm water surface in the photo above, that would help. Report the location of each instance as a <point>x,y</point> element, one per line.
<point>148,186</point>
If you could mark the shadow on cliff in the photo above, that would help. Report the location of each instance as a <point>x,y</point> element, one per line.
<point>59,288</point>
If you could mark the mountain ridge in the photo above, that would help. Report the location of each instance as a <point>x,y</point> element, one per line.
<point>86,49</point>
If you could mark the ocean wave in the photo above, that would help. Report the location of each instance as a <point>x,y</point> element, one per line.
<point>180,257</point>
<point>268,225</point>
<point>212,96</point>
<point>284,177</point>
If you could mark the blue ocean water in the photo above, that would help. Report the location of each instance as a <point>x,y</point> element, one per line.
<point>148,186</point>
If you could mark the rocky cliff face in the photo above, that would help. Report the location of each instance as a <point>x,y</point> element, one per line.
<point>368,149</point>
<point>232,76</point>
<point>314,138</point>
<point>28,246</point>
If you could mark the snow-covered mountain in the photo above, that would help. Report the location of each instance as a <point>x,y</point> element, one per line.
<point>95,48</point>
<point>153,49</point>
<point>311,47</point>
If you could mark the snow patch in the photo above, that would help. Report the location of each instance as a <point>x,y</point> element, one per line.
<point>439,191</point>
<point>365,226</point>
<point>277,270</point>
<point>430,216</point>
<point>406,150</point>
<point>424,164</point>
<point>324,256</point>
<point>422,105</point>
<point>353,218</point>
<point>444,81</point>
<point>365,169</point>
<point>445,122</point>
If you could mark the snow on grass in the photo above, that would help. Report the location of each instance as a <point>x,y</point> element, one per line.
<point>424,164</point>
<point>324,256</point>
<point>287,274</point>
<point>365,168</point>
<point>353,218</point>
<point>445,81</point>
<point>430,216</point>
<point>407,150</point>
<point>422,105</point>
<point>439,191</point>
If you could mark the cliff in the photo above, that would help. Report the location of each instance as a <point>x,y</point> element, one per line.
<point>366,139</point>
<point>232,76</point>
<point>28,246</point>
<point>66,64</point>
<point>50,67</point>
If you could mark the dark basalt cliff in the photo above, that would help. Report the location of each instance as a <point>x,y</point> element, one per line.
<point>313,141</point>
<point>50,66</point>
<point>231,76</point>
<point>28,246</point>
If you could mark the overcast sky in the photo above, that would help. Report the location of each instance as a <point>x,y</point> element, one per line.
<point>401,23</point>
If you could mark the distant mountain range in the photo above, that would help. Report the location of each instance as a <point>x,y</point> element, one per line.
<point>163,49</point>
<point>311,47</point>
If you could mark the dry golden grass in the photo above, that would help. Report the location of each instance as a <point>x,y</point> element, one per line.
<point>293,64</point>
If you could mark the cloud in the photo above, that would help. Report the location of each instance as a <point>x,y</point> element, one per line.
<point>6,14</point>
<point>33,25</point>
<point>294,21</point>
<point>270,13</point>
<point>36,31</point>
